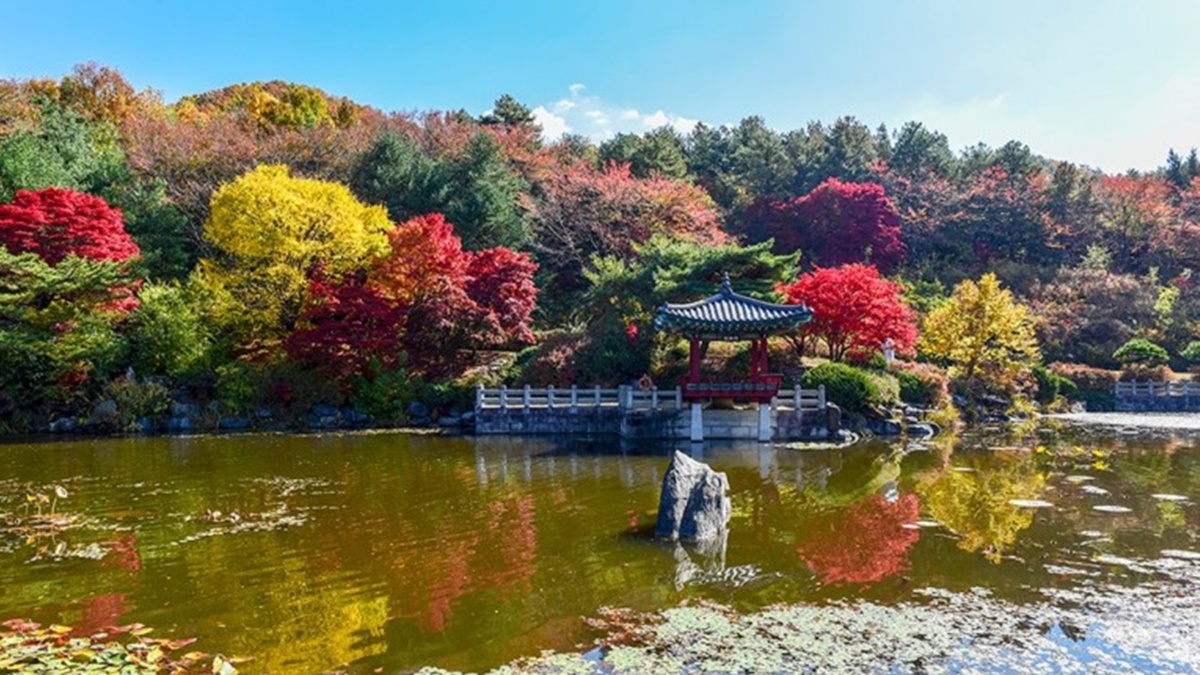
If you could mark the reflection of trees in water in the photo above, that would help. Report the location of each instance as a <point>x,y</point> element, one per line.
<point>864,543</point>
<point>976,505</point>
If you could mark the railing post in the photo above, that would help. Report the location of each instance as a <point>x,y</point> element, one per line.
<point>597,396</point>
<point>654,398</point>
<point>525,398</point>
<point>504,397</point>
<point>479,397</point>
<point>821,397</point>
<point>550,396</point>
<point>574,398</point>
<point>678,397</point>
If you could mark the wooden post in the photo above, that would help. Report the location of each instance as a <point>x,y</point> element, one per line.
<point>654,398</point>
<point>821,397</point>
<point>526,398</point>
<point>550,397</point>
<point>574,398</point>
<point>479,398</point>
<point>597,396</point>
<point>504,397</point>
<point>796,398</point>
<point>678,397</point>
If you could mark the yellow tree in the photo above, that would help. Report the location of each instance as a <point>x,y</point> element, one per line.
<point>270,232</point>
<point>983,332</point>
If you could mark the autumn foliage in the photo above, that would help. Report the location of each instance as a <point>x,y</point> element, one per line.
<point>855,311</point>
<point>865,543</point>
<point>55,223</point>
<point>425,299</point>
<point>837,223</point>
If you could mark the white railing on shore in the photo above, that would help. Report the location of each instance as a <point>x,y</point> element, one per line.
<point>624,398</point>
<point>1157,389</point>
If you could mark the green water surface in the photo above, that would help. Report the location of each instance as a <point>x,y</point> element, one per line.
<point>357,552</point>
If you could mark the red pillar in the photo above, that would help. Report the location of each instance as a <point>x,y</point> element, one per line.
<point>754,360</point>
<point>694,360</point>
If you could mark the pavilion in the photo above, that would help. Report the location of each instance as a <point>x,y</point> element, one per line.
<point>730,317</point>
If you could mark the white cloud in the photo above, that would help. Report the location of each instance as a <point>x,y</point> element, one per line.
<point>657,119</point>
<point>592,116</point>
<point>684,125</point>
<point>552,125</point>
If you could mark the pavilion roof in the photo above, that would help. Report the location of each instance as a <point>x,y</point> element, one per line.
<point>730,315</point>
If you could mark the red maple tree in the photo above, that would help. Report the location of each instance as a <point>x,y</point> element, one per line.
<point>836,223</point>
<point>345,326</point>
<point>55,223</point>
<point>855,311</point>
<point>500,283</point>
<point>427,298</point>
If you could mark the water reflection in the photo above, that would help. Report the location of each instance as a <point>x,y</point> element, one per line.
<point>395,551</point>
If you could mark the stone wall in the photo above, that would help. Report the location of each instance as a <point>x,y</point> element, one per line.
<point>1147,403</point>
<point>649,424</point>
<point>548,421</point>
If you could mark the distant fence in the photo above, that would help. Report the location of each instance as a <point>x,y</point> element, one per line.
<point>1157,396</point>
<point>1125,389</point>
<point>622,398</point>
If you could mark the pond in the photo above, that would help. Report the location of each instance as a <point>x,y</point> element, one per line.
<point>386,552</point>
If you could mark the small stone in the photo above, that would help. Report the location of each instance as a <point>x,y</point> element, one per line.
<point>1169,497</point>
<point>1111,508</point>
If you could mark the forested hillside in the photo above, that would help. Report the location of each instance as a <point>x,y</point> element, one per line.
<point>269,245</point>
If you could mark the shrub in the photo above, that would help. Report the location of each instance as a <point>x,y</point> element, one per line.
<point>922,383</point>
<point>1191,352</point>
<point>1140,352</point>
<point>1051,385</point>
<point>851,388</point>
<point>383,395</point>
<point>1095,385</point>
<point>135,400</point>
<point>168,334</point>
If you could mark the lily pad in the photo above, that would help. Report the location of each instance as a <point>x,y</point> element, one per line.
<point>1182,555</point>
<point>1030,503</point>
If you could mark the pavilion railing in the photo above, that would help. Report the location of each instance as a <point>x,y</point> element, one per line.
<point>1157,389</point>
<point>623,398</point>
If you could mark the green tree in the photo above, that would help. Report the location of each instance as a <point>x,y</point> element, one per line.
<point>168,333</point>
<point>475,189</point>
<point>508,111</point>
<point>65,150</point>
<point>657,152</point>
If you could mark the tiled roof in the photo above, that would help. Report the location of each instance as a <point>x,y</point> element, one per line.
<point>730,315</point>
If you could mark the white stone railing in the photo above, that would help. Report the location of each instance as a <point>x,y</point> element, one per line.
<point>624,398</point>
<point>1157,389</point>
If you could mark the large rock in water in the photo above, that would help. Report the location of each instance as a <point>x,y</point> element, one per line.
<point>694,505</point>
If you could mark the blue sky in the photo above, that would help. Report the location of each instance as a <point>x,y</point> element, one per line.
<point>1109,84</point>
